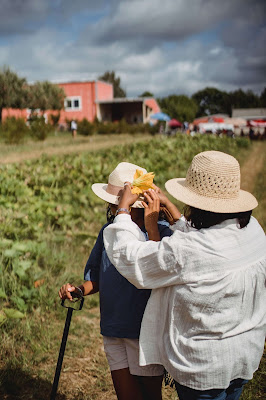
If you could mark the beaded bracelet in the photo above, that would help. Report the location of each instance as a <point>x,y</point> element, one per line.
<point>122,209</point>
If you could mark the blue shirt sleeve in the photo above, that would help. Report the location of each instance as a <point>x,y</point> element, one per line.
<point>92,268</point>
<point>164,229</point>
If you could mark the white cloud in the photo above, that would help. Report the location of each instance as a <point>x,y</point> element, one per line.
<point>215,51</point>
<point>180,47</point>
<point>143,62</point>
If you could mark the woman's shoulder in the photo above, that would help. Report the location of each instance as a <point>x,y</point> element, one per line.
<point>254,224</point>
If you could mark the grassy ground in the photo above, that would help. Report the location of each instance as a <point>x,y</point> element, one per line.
<point>29,348</point>
<point>63,143</point>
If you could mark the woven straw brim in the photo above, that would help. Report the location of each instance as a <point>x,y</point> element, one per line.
<point>100,190</point>
<point>177,187</point>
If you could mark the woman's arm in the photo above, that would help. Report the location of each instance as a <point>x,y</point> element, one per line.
<point>146,264</point>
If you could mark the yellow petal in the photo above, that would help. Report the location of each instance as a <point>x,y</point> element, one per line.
<point>138,173</point>
<point>143,181</point>
<point>136,190</point>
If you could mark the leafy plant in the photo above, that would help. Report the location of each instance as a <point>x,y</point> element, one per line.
<point>14,130</point>
<point>39,128</point>
<point>85,127</point>
<point>47,207</point>
<point>12,90</point>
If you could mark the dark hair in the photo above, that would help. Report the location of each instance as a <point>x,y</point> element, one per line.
<point>205,219</point>
<point>109,215</point>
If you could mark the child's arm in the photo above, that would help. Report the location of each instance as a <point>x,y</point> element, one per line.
<point>88,287</point>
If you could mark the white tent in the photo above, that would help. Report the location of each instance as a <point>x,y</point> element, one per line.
<point>236,121</point>
<point>214,127</point>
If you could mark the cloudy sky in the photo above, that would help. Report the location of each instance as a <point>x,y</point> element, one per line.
<point>162,46</point>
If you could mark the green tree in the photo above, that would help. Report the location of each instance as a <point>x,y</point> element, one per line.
<point>12,90</point>
<point>263,98</point>
<point>241,99</point>
<point>212,101</point>
<point>109,76</point>
<point>45,96</point>
<point>146,94</point>
<point>180,107</point>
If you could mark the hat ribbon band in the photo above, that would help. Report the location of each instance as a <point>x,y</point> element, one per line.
<point>112,189</point>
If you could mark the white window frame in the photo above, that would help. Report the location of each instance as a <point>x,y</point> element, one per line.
<point>72,99</point>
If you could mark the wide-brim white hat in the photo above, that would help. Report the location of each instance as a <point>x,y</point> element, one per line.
<point>212,183</point>
<point>124,172</point>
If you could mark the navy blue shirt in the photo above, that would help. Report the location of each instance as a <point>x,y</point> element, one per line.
<point>121,304</point>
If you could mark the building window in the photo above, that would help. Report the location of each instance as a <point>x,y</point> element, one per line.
<point>73,103</point>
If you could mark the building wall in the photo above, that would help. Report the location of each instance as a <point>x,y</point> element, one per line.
<point>249,113</point>
<point>81,102</point>
<point>85,93</point>
<point>150,106</point>
<point>12,112</point>
<point>103,91</point>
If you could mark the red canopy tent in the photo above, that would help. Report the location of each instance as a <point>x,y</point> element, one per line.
<point>174,123</point>
<point>259,123</point>
<point>217,119</point>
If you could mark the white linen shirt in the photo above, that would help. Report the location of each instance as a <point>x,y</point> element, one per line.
<point>205,320</point>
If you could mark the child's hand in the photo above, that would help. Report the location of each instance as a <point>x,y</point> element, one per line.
<point>126,197</point>
<point>65,291</point>
<point>172,210</point>
<point>151,214</point>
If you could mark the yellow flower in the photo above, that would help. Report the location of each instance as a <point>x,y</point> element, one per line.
<point>142,182</point>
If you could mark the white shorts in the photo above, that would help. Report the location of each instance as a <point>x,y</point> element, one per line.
<point>124,353</point>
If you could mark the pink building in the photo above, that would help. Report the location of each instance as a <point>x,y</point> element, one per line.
<point>94,99</point>
<point>81,98</point>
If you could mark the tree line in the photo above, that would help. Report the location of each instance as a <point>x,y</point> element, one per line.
<point>204,102</point>
<point>209,101</point>
<point>15,92</point>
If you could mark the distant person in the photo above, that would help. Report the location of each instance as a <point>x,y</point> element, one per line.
<point>121,304</point>
<point>205,321</point>
<point>230,133</point>
<point>74,128</point>
<point>251,133</point>
<point>161,129</point>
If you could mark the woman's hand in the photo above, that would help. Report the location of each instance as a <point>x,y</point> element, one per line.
<point>65,291</point>
<point>151,214</point>
<point>126,198</point>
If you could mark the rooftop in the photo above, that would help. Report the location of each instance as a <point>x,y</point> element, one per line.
<point>124,100</point>
<point>249,113</point>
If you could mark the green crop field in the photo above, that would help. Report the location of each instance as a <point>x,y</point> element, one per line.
<point>49,220</point>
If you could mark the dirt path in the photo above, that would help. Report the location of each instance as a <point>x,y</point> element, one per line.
<point>252,166</point>
<point>70,148</point>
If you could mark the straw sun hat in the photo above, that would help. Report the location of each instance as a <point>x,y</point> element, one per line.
<point>124,172</point>
<point>212,183</point>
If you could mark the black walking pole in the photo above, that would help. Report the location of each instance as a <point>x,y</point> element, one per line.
<point>77,298</point>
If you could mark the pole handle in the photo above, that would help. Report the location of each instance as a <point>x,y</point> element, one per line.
<point>76,304</point>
